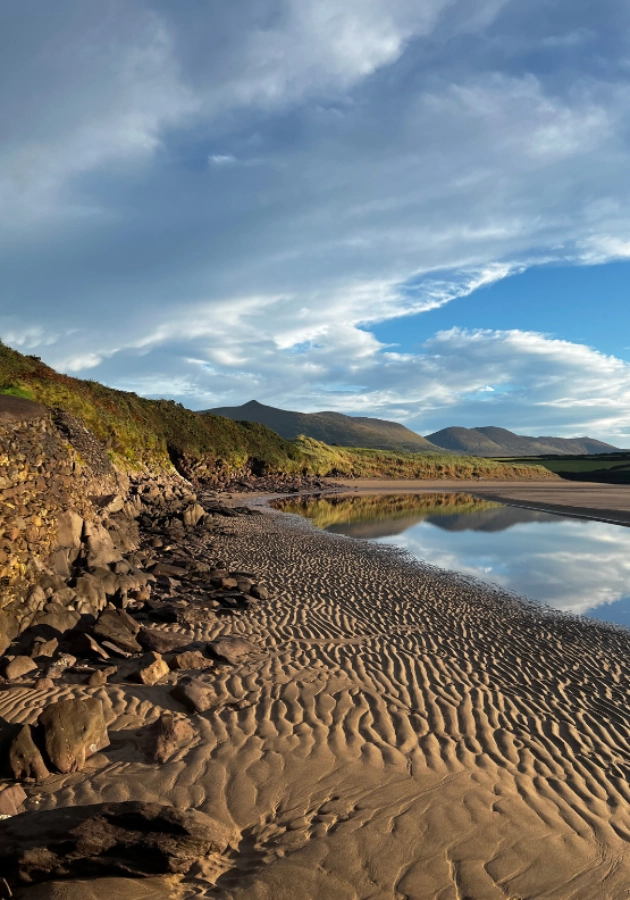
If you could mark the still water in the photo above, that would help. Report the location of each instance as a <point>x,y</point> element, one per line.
<point>573,565</point>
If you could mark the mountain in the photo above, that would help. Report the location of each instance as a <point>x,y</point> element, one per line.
<point>491,441</point>
<point>329,427</point>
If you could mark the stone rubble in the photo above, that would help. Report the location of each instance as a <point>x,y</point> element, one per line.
<point>93,565</point>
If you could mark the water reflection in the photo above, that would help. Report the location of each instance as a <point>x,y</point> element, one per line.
<point>573,565</point>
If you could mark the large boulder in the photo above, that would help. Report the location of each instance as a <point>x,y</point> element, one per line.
<point>99,547</point>
<point>73,731</point>
<point>55,619</point>
<point>129,839</point>
<point>19,666</point>
<point>25,758</point>
<point>117,627</point>
<point>69,530</point>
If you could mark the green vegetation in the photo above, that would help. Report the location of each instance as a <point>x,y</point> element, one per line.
<point>328,511</point>
<point>607,468</point>
<point>158,433</point>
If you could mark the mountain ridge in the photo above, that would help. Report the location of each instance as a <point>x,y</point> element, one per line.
<point>381,434</point>
<point>494,441</point>
<point>329,427</point>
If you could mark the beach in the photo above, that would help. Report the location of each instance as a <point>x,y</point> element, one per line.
<point>398,732</point>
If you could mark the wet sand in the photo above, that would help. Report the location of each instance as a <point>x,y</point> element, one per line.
<point>608,502</point>
<point>402,734</point>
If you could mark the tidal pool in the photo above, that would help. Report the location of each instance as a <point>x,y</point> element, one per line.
<point>574,565</point>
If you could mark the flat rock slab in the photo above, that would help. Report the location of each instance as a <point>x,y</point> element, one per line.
<point>232,650</point>
<point>161,641</point>
<point>128,839</point>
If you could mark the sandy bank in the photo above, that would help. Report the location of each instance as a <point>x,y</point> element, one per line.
<point>400,734</point>
<point>610,502</point>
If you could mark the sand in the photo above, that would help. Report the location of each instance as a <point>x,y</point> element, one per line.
<point>401,734</point>
<point>608,502</point>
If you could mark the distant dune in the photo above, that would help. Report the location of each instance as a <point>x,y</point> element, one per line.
<point>330,427</point>
<point>490,441</point>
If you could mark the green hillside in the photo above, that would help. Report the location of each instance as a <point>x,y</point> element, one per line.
<point>161,433</point>
<point>331,428</point>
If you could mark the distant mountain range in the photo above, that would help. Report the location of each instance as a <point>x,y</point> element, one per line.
<point>379,434</point>
<point>492,441</point>
<point>330,427</point>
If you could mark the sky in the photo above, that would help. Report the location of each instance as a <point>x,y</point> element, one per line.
<point>416,211</point>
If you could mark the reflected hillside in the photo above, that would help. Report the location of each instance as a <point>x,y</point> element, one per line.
<point>499,518</point>
<point>385,516</point>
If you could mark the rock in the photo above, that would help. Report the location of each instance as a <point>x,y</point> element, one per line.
<point>57,619</point>
<point>19,666</point>
<point>119,839</point>
<point>193,514</point>
<point>166,570</point>
<point>69,530</point>
<point>44,684</point>
<point>231,649</point>
<point>90,593</point>
<point>5,891</point>
<point>194,694</point>
<point>96,679</point>
<point>259,592</point>
<point>226,583</point>
<point>99,547</point>
<point>61,665</point>
<point>153,668</point>
<point>165,736</point>
<point>73,731</point>
<point>112,648</point>
<point>160,641</point>
<point>5,643</point>
<point>12,800</point>
<point>117,627</point>
<point>161,612</point>
<point>191,659</point>
<point>44,648</point>
<point>59,562</point>
<point>25,759</point>
<point>84,645</point>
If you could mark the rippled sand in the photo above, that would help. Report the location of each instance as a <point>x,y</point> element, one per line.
<point>402,733</point>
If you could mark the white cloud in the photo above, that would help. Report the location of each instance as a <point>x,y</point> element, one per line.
<point>391,158</point>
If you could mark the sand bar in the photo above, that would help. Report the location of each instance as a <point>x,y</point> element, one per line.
<point>608,502</point>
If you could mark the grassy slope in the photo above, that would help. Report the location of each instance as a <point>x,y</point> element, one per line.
<point>152,432</point>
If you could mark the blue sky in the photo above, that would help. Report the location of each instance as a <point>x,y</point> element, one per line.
<point>410,210</point>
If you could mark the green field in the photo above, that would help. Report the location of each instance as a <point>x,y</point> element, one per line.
<point>608,468</point>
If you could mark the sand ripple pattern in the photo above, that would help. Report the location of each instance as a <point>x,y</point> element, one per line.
<point>403,734</point>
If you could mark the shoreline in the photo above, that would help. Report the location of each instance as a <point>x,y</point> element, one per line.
<point>397,730</point>
<point>589,500</point>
